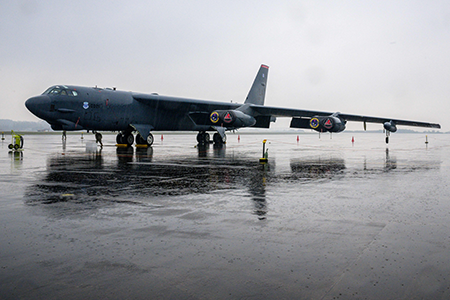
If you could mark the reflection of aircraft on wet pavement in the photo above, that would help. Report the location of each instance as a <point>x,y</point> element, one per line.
<point>134,177</point>
<point>317,168</point>
<point>97,109</point>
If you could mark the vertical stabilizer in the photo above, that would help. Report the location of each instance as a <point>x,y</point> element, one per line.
<point>258,90</point>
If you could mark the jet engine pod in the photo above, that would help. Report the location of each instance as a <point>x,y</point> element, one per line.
<point>390,126</point>
<point>231,118</point>
<point>327,124</point>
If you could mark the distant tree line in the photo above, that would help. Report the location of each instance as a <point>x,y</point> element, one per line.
<point>8,125</point>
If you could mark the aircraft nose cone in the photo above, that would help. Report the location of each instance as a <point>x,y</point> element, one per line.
<point>38,105</point>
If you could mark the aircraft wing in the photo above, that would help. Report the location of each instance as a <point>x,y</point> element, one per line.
<point>299,113</point>
<point>182,104</point>
<point>192,106</point>
<point>383,120</point>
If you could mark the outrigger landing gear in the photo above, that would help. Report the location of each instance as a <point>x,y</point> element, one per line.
<point>388,133</point>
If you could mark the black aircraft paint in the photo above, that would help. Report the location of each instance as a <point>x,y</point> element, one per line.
<point>96,109</point>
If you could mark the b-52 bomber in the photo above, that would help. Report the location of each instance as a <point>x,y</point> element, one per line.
<point>95,109</point>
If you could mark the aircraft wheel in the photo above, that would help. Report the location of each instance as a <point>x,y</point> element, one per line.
<point>10,146</point>
<point>218,139</point>
<point>16,147</point>
<point>203,138</point>
<point>150,139</point>
<point>387,140</point>
<point>140,140</point>
<point>206,138</point>
<point>119,139</point>
<point>199,138</point>
<point>129,139</point>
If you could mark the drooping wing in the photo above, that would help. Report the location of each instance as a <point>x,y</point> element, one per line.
<point>299,113</point>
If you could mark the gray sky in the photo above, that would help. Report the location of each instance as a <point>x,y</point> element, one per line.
<point>377,58</point>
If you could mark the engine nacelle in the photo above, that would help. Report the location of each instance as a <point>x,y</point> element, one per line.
<point>231,119</point>
<point>327,124</point>
<point>390,126</point>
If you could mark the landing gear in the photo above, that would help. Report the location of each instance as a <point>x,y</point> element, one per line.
<point>141,141</point>
<point>150,139</point>
<point>125,138</point>
<point>388,133</point>
<point>119,138</point>
<point>218,139</point>
<point>203,138</point>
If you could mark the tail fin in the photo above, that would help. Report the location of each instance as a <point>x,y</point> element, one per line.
<point>258,91</point>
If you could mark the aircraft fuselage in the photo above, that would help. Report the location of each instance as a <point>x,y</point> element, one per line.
<point>83,108</point>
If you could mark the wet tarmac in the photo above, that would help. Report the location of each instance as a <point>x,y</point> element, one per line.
<point>324,219</point>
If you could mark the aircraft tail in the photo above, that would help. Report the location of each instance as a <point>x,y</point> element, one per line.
<point>257,93</point>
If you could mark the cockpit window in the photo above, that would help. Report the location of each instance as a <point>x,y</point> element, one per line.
<point>47,91</point>
<point>55,91</point>
<point>61,90</point>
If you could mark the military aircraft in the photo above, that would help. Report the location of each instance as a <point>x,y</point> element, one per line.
<point>105,109</point>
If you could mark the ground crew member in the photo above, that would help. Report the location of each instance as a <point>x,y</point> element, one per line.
<point>98,139</point>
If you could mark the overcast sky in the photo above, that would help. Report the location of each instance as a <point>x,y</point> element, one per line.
<point>376,58</point>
